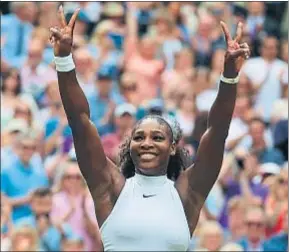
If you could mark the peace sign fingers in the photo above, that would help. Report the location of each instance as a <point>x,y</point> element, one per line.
<point>73,18</point>
<point>239,32</point>
<point>226,32</point>
<point>62,37</point>
<point>61,17</point>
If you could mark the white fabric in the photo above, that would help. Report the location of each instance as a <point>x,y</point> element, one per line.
<point>206,99</point>
<point>256,70</point>
<point>237,128</point>
<point>153,223</point>
<point>232,81</point>
<point>64,64</point>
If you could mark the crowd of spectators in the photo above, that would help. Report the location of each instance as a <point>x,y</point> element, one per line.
<point>133,59</point>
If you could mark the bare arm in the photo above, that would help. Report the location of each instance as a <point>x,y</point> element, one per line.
<point>131,39</point>
<point>204,172</point>
<point>93,164</point>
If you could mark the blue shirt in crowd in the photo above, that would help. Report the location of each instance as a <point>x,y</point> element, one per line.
<point>18,181</point>
<point>16,35</point>
<point>98,109</point>
<point>277,242</point>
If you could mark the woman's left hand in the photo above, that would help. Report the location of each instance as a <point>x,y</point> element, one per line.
<point>236,53</point>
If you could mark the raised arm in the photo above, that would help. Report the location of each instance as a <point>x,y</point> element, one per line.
<point>131,38</point>
<point>98,172</point>
<point>204,172</point>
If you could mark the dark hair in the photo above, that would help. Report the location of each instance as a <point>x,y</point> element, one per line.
<point>257,119</point>
<point>42,192</point>
<point>8,74</point>
<point>177,163</point>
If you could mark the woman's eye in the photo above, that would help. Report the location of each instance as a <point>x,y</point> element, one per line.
<point>137,138</point>
<point>158,138</point>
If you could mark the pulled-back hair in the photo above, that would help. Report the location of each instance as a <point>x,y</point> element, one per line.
<point>177,163</point>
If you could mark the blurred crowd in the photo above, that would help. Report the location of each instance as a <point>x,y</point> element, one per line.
<point>133,59</point>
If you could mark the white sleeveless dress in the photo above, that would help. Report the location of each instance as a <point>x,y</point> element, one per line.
<point>148,216</point>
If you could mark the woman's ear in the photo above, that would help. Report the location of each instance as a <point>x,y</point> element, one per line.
<point>173,149</point>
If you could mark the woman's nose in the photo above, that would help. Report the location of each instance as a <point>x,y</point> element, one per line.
<point>147,144</point>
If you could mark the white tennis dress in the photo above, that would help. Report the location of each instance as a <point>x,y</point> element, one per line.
<point>148,216</point>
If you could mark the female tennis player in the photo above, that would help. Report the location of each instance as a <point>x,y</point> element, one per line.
<point>150,201</point>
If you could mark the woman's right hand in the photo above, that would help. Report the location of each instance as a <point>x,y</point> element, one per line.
<point>62,38</point>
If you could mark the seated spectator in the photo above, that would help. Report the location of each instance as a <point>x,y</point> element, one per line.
<point>236,219</point>
<point>124,119</point>
<point>73,204</point>
<point>128,89</point>
<point>9,135</point>
<point>202,41</point>
<point>102,103</point>
<point>12,95</point>
<point>10,91</point>
<point>34,73</point>
<point>179,78</point>
<point>255,231</point>
<point>41,33</point>
<point>186,113</point>
<point>267,82</point>
<point>21,176</point>
<point>211,236</point>
<point>16,29</point>
<point>23,110</point>
<point>258,21</point>
<point>50,233</point>
<point>261,142</point>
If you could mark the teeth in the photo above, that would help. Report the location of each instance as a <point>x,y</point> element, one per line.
<point>147,156</point>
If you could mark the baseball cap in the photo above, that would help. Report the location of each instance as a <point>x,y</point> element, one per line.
<point>270,168</point>
<point>17,124</point>
<point>125,108</point>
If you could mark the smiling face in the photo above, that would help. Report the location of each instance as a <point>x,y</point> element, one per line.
<point>151,147</point>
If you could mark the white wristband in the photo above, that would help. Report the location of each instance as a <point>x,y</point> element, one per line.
<point>230,80</point>
<point>64,64</point>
